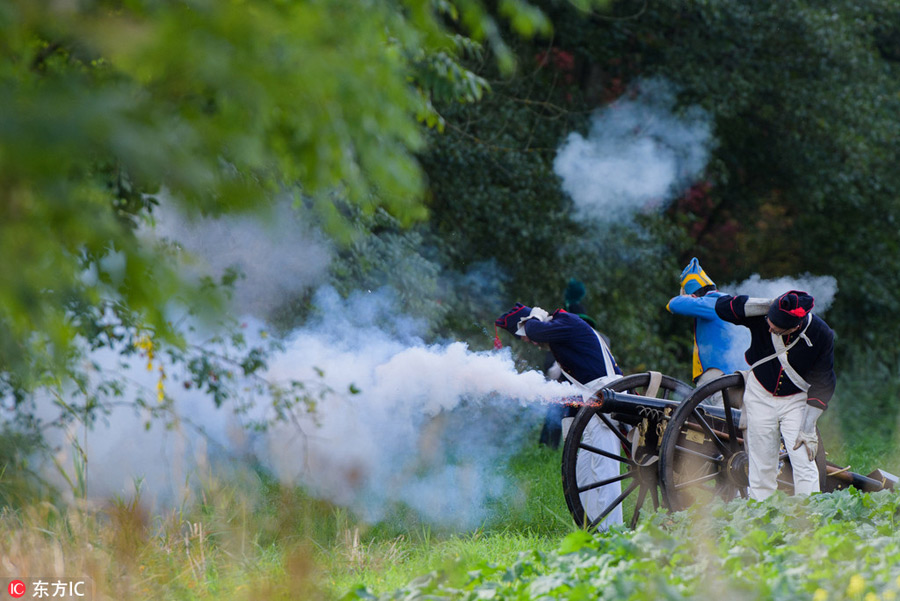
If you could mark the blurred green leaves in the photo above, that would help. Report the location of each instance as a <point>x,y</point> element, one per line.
<point>218,104</point>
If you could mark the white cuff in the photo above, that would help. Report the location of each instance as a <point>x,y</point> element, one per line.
<point>755,307</point>
<point>810,417</point>
<point>536,313</point>
<point>555,371</point>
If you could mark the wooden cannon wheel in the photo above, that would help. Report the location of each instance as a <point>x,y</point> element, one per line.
<point>636,464</point>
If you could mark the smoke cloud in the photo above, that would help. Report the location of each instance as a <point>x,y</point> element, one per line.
<point>637,154</point>
<point>431,426</point>
<point>392,419</point>
<point>822,288</point>
<point>396,420</point>
<point>277,255</point>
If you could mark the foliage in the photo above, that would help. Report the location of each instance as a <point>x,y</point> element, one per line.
<point>496,200</point>
<point>388,565</point>
<point>386,254</point>
<point>838,546</point>
<point>217,104</point>
<point>863,418</point>
<point>109,105</point>
<point>20,484</point>
<point>250,536</point>
<point>214,550</point>
<point>801,179</point>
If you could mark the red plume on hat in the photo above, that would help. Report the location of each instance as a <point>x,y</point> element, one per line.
<point>790,309</point>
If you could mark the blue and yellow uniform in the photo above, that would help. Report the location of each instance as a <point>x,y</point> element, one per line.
<point>717,343</point>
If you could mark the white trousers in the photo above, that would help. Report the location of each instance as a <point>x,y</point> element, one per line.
<point>708,376</point>
<point>591,467</point>
<point>769,420</point>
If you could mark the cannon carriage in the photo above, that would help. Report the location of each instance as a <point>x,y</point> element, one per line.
<point>679,446</point>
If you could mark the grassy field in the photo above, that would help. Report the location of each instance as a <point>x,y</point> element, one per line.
<point>384,558</point>
<point>253,538</point>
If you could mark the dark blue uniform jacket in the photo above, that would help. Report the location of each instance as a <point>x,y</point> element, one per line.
<point>815,363</point>
<point>573,343</point>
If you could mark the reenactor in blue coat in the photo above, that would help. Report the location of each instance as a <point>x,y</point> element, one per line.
<point>718,345</point>
<point>586,361</point>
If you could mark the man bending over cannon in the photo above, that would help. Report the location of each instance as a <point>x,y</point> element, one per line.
<point>791,380</point>
<point>588,364</point>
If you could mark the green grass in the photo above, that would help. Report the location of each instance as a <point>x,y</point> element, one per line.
<point>252,537</point>
<point>383,566</point>
<point>861,428</point>
<point>382,558</point>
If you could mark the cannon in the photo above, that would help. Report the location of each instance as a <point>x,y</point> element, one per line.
<point>679,446</point>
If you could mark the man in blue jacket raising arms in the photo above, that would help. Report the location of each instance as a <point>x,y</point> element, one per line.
<point>791,380</point>
<point>718,345</point>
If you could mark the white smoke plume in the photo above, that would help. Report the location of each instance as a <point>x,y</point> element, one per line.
<point>637,155</point>
<point>398,420</point>
<point>276,254</point>
<point>822,288</point>
<point>431,425</point>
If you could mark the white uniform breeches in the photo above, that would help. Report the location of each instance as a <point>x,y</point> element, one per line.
<point>591,467</point>
<point>769,420</point>
<point>709,375</point>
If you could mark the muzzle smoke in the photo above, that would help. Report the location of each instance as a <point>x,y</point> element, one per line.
<point>396,420</point>
<point>822,288</point>
<point>432,426</point>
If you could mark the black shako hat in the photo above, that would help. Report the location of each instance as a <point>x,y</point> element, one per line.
<point>509,321</point>
<point>789,309</point>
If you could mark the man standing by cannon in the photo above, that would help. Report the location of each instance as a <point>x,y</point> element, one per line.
<point>587,362</point>
<point>790,382</point>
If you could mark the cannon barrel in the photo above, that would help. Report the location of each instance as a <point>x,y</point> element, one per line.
<point>719,412</point>
<point>610,401</point>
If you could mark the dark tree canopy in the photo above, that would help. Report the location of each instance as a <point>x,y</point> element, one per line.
<point>802,179</point>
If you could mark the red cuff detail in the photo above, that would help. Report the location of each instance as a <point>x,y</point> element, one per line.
<point>817,403</point>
